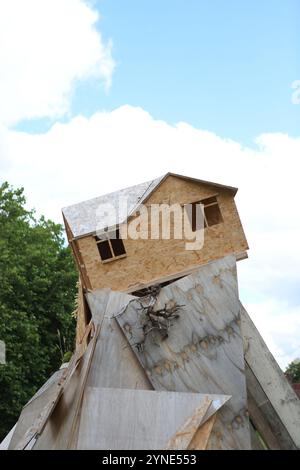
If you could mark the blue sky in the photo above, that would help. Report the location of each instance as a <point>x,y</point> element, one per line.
<point>223,66</point>
<point>99,95</point>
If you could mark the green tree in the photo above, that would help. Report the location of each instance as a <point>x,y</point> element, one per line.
<point>293,371</point>
<point>37,291</point>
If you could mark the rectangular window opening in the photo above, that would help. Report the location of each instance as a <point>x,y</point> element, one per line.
<point>104,250</point>
<point>118,246</point>
<point>212,213</point>
<point>111,248</point>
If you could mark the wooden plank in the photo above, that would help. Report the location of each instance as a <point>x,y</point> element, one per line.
<point>256,443</point>
<point>133,419</point>
<point>271,378</point>
<point>60,427</point>
<point>261,424</point>
<point>264,416</point>
<point>77,256</point>
<point>37,410</point>
<point>6,441</point>
<point>114,364</point>
<point>97,301</point>
<point>183,437</point>
<point>204,348</point>
<point>200,439</point>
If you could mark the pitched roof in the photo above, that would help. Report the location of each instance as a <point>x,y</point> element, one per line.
<point>86,217</point>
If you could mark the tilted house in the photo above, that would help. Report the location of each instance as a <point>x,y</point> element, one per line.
<point>130,265</point>
<point>166,356</point>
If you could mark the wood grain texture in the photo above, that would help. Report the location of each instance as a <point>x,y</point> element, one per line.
<point>184,435</point>
<point>36,412</point>
<point>204,349</point>
<point>264,416</point>
<point>58,433</point>
<point>6,441</point>
<point>262,425</point>
<point>114,364</point>
<point>201,436</point>
<point>271,378</point>
<point>134,419</point>
<point>256,443</point>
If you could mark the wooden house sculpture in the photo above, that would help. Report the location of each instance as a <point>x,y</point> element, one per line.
<point>166,356</point>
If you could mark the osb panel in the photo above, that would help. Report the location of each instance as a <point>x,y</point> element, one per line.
<point>148,260</point>
<point>81,317</point>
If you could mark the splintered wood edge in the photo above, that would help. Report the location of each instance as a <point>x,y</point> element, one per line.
<point>183,437</point>
<point>201,436</point>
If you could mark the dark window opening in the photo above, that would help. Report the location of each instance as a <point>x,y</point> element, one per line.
<point>212,213</point>
<point>118,247</point>
<point>104,250</point>
<point>110,248</point>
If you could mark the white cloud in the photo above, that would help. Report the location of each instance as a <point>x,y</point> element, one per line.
<point>87,157</point>
<point>45,47</point>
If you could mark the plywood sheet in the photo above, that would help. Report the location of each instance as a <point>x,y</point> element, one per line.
<point>34,411</point>
<point>201,437</point>
<point>60,429</point>
<point>204,348</point>
<point>114,364</point>
<point>135,419</point>
<point>273,382</point>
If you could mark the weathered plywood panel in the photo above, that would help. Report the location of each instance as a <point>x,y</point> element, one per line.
<point>204,349</point>
<point>271,378</point>
<point>184,435</point>
<point>264,416</point>
<point>60,429</point>
<point>135,419</point>
<point>6,441</point>
<point>256,443</point>
<point>114,364</point>
<point>201,437</point>
<point>35,410</point>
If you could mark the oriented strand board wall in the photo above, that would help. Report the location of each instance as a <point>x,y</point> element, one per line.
<point>148,260</point>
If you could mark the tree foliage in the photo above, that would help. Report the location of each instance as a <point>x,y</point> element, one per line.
<point>293,371</point>
<point>37,291</point>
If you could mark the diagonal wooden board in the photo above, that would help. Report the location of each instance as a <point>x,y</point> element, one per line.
<point>124,419</point>
<point>36,413</point>
<point>60,428</point>
<point>32,410</point>
<point>274,396</point>
<point>204,350</point>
